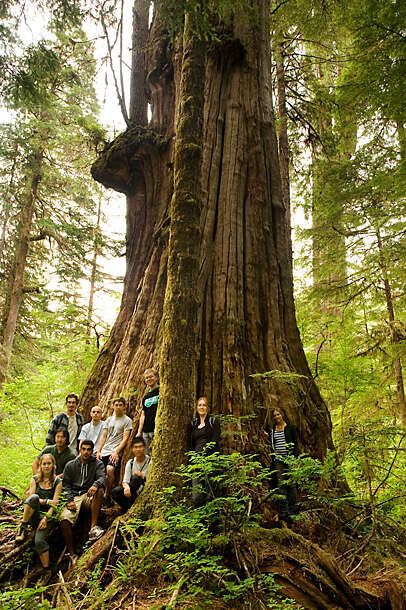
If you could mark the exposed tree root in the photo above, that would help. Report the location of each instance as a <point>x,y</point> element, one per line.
<point>313,577</point>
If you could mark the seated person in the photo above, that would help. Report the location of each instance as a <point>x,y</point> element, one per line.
<point>45,489</point>
<point>135,475</point>
<point>70,420</point>
<point>84,479</point>
<point>60,451</point>
<point>117,429</point>
<point>93,430</point>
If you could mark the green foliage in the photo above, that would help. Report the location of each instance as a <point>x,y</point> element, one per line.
<point>288,377</point>
<point>207,17</point>
<point>29,402</point>
<point>196,548</point>
<point>24,599</point>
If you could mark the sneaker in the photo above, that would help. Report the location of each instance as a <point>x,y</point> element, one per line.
<point>96,532</point>
<point>22,532</point>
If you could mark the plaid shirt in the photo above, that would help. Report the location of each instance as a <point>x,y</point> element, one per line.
<point>61,421</point>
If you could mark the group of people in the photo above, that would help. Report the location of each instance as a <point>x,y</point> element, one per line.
<point>83,461</point>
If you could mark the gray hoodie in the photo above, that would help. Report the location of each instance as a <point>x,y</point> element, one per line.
<point>79,477</point>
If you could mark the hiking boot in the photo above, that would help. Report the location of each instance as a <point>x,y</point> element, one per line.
<point>96,532</point>
<point>45,577</point>
<point>22,532</point>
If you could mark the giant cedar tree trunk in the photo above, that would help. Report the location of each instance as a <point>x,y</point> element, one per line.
<point>246,315</point>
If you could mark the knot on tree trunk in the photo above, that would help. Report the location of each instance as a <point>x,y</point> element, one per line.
<point>122,159</point>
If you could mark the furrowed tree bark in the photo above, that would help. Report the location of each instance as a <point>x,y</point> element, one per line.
<point>246,315</point>
<point>178,356</point>
<point>15,295</point>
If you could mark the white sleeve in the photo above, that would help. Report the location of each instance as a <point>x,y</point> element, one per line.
<point>83,432</point>
<point>127,472</point>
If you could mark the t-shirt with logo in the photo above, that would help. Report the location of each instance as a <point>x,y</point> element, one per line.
<point>116,426</point>
<point>149,407</point>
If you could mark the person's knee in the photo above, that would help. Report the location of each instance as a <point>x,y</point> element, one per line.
<point>32,501</point>
<point>110,472</point>
<point>65,524</point>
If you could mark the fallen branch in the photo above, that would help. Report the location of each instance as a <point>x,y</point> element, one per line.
<point>172,601</point>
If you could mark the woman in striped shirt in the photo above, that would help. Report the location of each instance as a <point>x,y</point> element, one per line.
<point>284,443</point>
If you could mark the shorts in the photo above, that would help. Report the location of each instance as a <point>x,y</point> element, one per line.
<point>105,459</point>
<point>84,501</point>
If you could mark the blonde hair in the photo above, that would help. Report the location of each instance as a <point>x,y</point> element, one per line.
<point>52,476</point>
<point>205,400</point>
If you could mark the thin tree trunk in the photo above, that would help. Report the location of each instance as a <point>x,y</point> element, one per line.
<point>7,205</point>
<point>17,279</point>
<point>138,100</point>
<point>397,363</point>
<point>93,271</point>
<point>283,140</point>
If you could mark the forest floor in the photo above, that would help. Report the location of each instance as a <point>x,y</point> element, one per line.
<point>317,563</point>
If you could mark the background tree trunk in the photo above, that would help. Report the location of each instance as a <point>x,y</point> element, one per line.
<point>246,313</point>
<point>15,293</point>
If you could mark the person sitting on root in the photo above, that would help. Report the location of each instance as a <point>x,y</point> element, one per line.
<point>93,430</point>
<point>146,425</point>
<point>135,475</point>
<point>84,479</point>
<point>117,429</point>
<point>284,442</point>
<point>202,430</point>
<point>45,489</point>
<point>60,451</point>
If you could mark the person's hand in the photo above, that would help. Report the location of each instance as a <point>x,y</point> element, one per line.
<point>43,523</point>
<point>114,458</point>
<point>138,473</point>
<point>71,506</point>
<point>91,491</point>
<point>98,455</point>
<point>127,492</point>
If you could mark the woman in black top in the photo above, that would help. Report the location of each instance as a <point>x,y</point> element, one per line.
<point>203,429</point>
<point>45,489</point>
<point>283,438</point>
